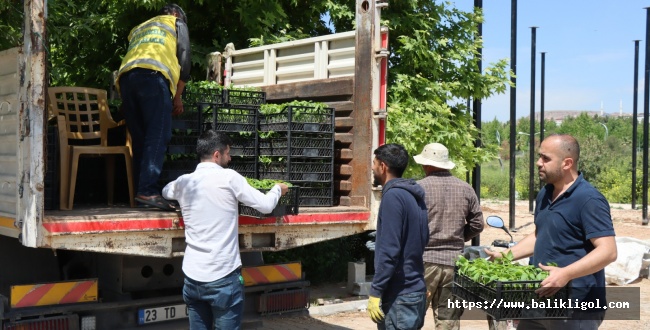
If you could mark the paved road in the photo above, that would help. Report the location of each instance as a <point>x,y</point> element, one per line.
<point>355,320</point>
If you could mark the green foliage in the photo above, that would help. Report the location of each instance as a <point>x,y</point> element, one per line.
<point>434,70</point>
<point>433,66</point>
<point>494,180</point>
<point>610,174</point>
<point>11,23</point>
<point>501,269</point>
<point>265,183</point>
<point>87,40</point>
<point>273,108</point>
<point>199,85</point>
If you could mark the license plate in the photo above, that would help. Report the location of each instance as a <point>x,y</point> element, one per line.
<point>160,314</point>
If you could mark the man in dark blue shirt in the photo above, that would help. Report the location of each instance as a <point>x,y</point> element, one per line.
<point>398,293</point>
<point>573,228</point>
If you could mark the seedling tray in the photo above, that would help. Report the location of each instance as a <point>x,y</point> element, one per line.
<point>242,97</point>
<point>218,96</point>
<point>203,96</point>
<point>298,172</point>
<point>234,119</point>
<point>299,119</point>
<point>246,166</point>
<point>182,145</point>
<point>495,296</point>
<point>321,146</point>
<point>243,146</point>
<point>287,205</point>
<point>317,194</point>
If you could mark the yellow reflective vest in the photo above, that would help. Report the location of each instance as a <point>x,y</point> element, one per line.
<point>152,45</point>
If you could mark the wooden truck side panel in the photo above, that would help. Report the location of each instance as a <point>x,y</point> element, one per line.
<point>9,106</point>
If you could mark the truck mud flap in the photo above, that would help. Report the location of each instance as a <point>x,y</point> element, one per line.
<point>283,301</point>
<point>63,322</point>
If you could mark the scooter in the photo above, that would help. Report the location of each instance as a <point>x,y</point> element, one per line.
<point>497,222</point>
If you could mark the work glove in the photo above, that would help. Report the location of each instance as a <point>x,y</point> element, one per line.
<point>371,243</point>
<point>374,309</point>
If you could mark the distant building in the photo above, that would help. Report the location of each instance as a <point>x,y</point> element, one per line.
<point>558,116</point>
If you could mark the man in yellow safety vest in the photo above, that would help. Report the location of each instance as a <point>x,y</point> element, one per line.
<point>151,80</point>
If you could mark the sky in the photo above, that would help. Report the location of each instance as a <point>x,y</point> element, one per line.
<point>589,61</point>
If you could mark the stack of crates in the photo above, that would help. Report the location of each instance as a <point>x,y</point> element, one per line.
<point>233,112</point>
<point>237,116</point>
<point>181,157</point>
<point>297,145</point>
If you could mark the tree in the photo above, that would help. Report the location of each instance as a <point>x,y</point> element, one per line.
<point>433,71</point>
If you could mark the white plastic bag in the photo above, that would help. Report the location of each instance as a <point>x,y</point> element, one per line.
<point>628,264</point>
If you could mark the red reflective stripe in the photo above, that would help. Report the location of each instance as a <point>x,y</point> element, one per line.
<point>32,298</point>
<point>383,88</point>
<point>287,273</point>
<point>256,275</point>
<point>77,292</point>
<point>107,225</point>
<point>246,220</point>
<point>328,217</point>
<point>64,226</point>
<point>345,217</point>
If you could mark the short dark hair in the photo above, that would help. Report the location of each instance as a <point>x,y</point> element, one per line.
<point>394,156</point>
<point>211,141</point>
<point>569,146</point>
<point>171,9</point>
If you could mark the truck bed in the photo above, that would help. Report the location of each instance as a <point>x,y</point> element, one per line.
<point>137,231</point>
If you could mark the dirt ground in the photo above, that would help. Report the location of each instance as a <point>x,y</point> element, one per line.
<point>627,223</point>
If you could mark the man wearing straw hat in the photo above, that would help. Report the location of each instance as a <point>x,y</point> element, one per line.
<point>455,217</point>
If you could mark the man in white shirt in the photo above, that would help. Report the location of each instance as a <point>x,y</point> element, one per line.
<point>209,197</point>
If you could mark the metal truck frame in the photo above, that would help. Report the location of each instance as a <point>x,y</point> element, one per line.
<point>128,252</point>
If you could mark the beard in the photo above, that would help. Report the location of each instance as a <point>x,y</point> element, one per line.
<point>376,180</point>
<point>550,176</point>
<point>223,163</point>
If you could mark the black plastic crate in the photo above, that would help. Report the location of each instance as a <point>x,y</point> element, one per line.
<point>217,96</point>
<point>189,122</point>
<point>172,169</point>
<point>317,194</point>
<point>318,146</point>
<point>243,146</point>
<point>246,166</point>
<point>186,126</point>
<point>243,97</point>
<point>298,171</point>
<point>234,119</point>
<point>182,145</point>
<point>509,291</point>
<point>287,205</point>
<point>299,119</point>
<point>203,96</point>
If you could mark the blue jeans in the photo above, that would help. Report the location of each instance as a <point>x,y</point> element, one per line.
<point>147,104</point>
<point>406,312</point>
<point>215,305</point>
